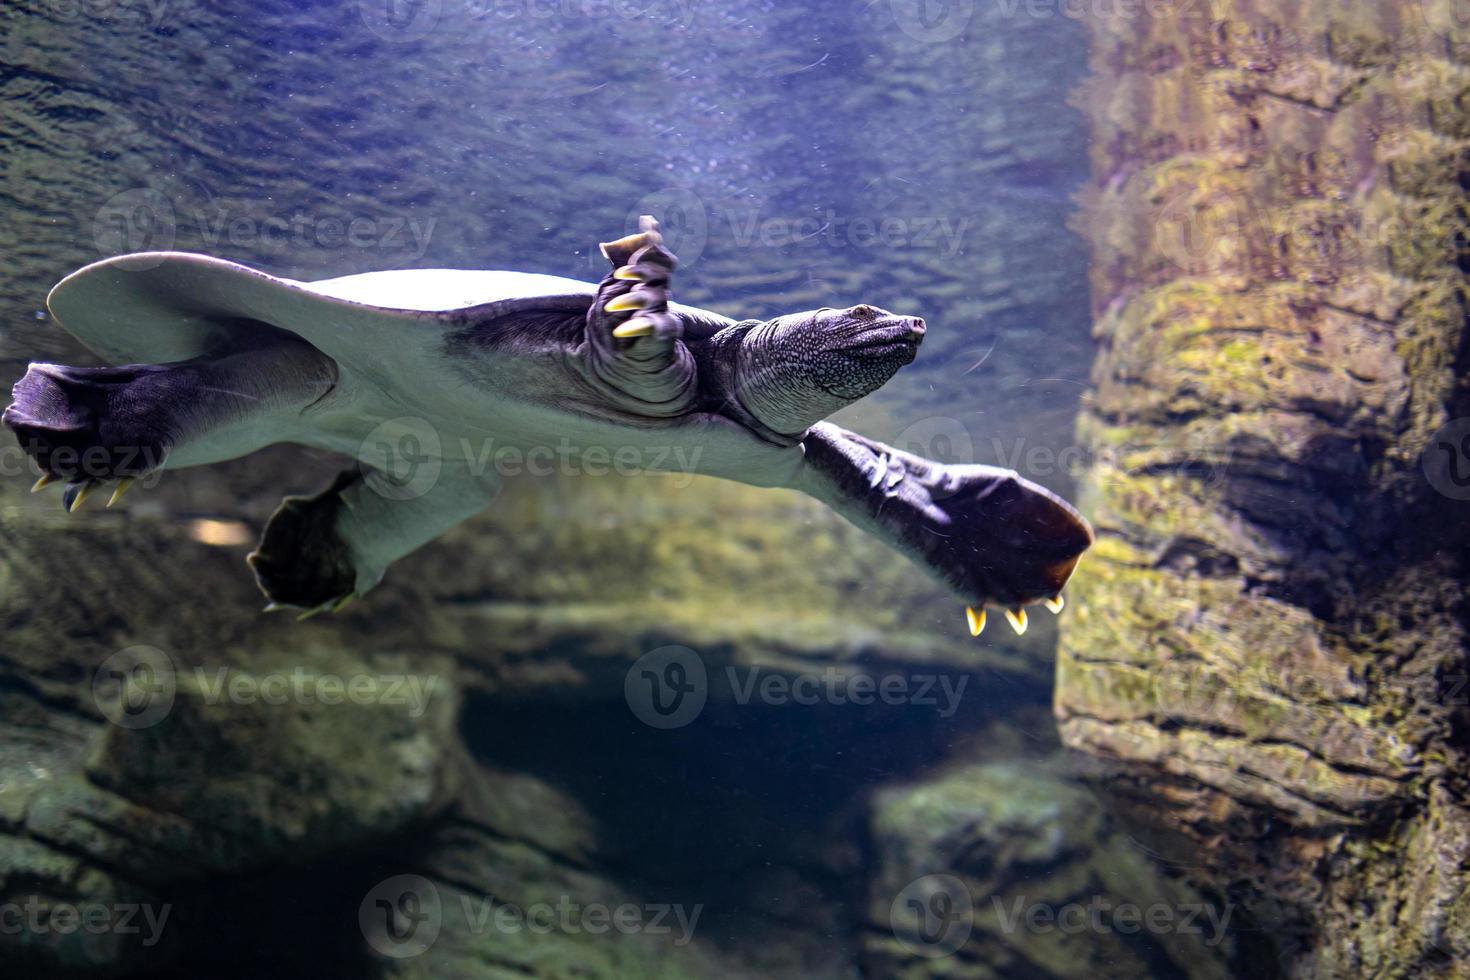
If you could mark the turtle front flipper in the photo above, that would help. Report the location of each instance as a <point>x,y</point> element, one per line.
<point>633,354</point>
<point>991,536</point>
<point>317,553</point>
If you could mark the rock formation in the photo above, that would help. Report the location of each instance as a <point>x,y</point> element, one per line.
<point>1269,648</point>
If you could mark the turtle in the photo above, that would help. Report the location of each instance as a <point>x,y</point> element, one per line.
<point>405,371</point>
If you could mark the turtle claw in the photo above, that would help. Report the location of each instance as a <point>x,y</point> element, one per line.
<point>975,618</point>
<point>76,494</point>
<point>1017,619</point>
<point>640,326</point>
<point>1056,605</point>
<point>123,486</point>
<point>330,606</point>
<point>314,611</point>
<point>628,301</point>
<point>624,248</point>
<point>638,286</point>
<point>45,481</point>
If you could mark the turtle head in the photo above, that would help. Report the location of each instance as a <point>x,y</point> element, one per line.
<point>796,370</point>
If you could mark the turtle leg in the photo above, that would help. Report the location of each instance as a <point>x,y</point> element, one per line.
<point>633,354</point>
<point>991,536</point>
<point>90,426</point>
<point>317,553</point>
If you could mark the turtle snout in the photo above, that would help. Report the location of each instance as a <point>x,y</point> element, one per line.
<point>888,330</point>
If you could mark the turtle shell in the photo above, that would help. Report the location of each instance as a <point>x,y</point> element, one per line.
<point>158,307</point>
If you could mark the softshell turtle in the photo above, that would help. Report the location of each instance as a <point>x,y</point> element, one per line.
<point>220,360</point>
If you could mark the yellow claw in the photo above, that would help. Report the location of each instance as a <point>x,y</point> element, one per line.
<point>627,272</point>
<point>976,619</point>
<point>637,327</point>
<point>123,486</point>
<point>45,481</point>
<point>83,493</point>
<point>1056,605</point>
<point>629,244</point>
<point>628,301</point>
<point>331,605</point>
<point>1018,621</point>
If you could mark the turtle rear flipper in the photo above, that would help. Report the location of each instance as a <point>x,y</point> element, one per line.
<point>991,536</point>
<point>319,552</point>
<point>90,425</point>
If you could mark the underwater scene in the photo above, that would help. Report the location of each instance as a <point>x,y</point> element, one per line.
<point>621,489</point>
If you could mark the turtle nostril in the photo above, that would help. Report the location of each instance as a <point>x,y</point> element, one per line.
<point>917,327</point>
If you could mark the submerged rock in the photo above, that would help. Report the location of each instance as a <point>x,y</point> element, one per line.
<point>1266,648</point>
<point>1014,870</point>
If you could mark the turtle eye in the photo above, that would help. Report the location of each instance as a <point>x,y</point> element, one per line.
<point>863,309</point>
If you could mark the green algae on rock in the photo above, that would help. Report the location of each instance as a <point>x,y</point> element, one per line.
<point>1261,648</point>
